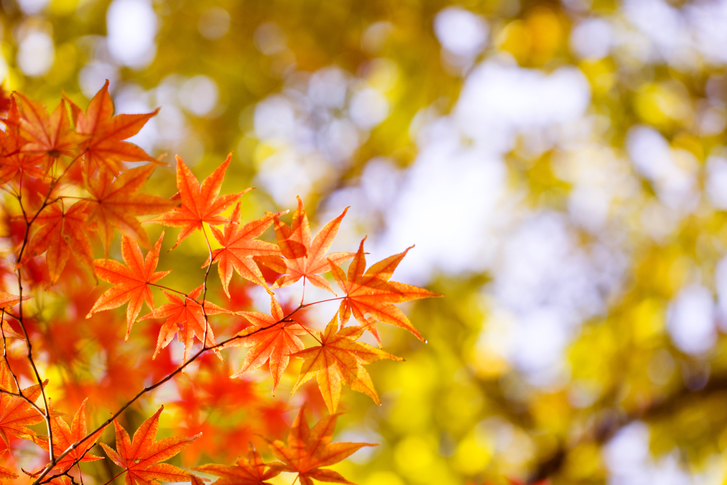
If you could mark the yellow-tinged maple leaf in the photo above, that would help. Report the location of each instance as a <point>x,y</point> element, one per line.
<point>238,248</point>
<point>131,281</point>
<point>372,293</point>
<point>276,343</point>
<point>304,259</point>
<point>64,436</point>
<point>104,134</point>
<point>246,471</point>
<point>115,204</point>
<point>309,450</point>
<point>199,203</point>
<point>8,300</point>
<point>340,360</point>
<point>61,233</point>
<point>15,412</point>
<point>141,456</point>
<point>184,316</point>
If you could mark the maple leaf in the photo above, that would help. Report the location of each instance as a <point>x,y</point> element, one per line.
<point>131,281</point>
<point>276,343</point>
<point>65,436</point>
<point>7,474</point>
<point>116,205</point>
<point>8,301</point>
<point>4,100</point>
<point>239,246</point>
<point>49,135</point>
<point>14,162</point>
<point>309,450</point>
<point>60,234</point>
<point>372,293</point>
<point>104,134</point>
<point>340,359</point>
<point>246,471</point>
<point>304,259</point>
<point>15,412</point>
<point>141,456</point>
<point>199,203</point>
<point>184,316</point>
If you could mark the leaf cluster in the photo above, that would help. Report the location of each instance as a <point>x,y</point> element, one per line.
<point>68,185</point>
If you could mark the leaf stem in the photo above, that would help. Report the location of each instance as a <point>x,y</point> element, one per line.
<point>115,477</point>
<point>204,288</point>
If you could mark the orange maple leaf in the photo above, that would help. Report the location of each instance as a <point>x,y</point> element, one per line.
<point>304,259</point>
<point>60,234</point>
<point>276,343</point>
<point>65,436</point>
<point>48,135</point>
<point>104,134</point>
<point>14,162</point>
<point>309,450</point>
<point>246,471</point>
<point>131,281</point>
<point>199,203</point>
<point>184,315</point>
<point>239,246</point>
<point>340,359</point>
<point>15,412</point>
<point>6,473</point>
<point>8,300</point>
<point>372,293</point>
<point>140,457</point>
<point>116,204</point>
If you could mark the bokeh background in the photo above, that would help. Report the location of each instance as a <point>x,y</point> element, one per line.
<point>560,166</point>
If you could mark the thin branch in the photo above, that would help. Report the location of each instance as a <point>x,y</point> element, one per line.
<point>204,289</point>
<point>26,238</point>
<point>185,295</point>
<point>40,480</point>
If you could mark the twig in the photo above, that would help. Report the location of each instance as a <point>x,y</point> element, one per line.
<point>42,477</point>
<point>26,238</point>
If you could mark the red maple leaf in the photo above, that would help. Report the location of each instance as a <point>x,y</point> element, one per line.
<point>48,135</point>
<point>340,359</point>
<point>115,204</point>
<point>16,413</point>
<point>140,457</point>
<point>309,450</point>
<point>65,436</point>
<point>372,293</point>
<point>238,248</point>
<point>15,163</point>
<point>199,203</point>
<point>276,343</point>
<point>4,100</point>
<point>61,233</point>
<point>246,471</point>
<point>186,317</point>
<point>104,134</point>
<point>8,301</point>
<point>304,259</point>
<point>131,281</point>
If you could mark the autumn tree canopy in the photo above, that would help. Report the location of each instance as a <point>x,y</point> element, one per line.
<point>559,165</point>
